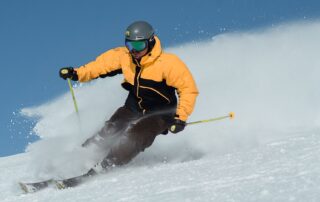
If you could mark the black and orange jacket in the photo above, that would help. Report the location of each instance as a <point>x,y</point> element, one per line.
<point>152,83</point>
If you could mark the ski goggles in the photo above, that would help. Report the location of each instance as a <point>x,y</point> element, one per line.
<point>136,45</point>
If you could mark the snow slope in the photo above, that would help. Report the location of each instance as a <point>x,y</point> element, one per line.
<point>270,152</point>
<point>286,170</point>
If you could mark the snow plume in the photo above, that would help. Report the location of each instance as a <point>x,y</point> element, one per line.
<point>268,77</point>
<point>59,153</point>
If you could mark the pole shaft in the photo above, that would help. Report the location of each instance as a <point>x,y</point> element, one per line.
<point>209,120</point>
<point>73,97</point>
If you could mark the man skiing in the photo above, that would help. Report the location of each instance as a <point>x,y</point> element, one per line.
<point>152,78</point>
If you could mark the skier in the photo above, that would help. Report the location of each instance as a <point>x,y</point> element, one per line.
<point>152,78</point>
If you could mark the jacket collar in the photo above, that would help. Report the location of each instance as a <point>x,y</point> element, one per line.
<point>153,55</point>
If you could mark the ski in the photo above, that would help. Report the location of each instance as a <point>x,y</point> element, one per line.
<point>34,186</point>
<point>74,181</point>
<point>59,184</point>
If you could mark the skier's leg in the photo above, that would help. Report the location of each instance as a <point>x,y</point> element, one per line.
<point>137,138</point>
<point>113,127</point>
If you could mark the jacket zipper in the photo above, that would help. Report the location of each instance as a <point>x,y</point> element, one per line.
<point>138,75</point>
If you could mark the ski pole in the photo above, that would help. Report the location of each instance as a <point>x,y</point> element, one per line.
<point>73,97</point>
<point>230,115</point>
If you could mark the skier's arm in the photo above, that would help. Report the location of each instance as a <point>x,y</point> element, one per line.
<point>107,64</point>
<point>179,77</point>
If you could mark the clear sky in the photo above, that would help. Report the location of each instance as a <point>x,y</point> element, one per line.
<point>37,37</point>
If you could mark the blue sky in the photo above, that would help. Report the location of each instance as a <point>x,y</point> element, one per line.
<point>37,37</point>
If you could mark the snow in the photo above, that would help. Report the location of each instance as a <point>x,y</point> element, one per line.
<point>269,152</point>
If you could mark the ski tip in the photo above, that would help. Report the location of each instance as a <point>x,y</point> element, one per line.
<point>24,187</point>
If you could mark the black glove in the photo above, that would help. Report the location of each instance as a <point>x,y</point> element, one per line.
<point>177,126</point>
<point>68,73</point>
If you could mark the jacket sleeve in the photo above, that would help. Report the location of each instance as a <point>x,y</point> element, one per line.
<point>179,77</point>
<point>104,64</point>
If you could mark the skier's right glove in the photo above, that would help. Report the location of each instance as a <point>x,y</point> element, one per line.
<point>68,73</point>
<point>177,126</point>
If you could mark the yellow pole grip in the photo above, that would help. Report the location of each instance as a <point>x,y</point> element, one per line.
<point>64,71</point>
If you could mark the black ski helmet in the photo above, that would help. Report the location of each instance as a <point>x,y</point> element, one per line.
<point>139,30</point>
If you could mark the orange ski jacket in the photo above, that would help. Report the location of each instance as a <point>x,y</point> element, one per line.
<point>152,83</point>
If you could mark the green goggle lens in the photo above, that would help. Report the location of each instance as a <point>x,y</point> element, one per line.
<point>136,45</point>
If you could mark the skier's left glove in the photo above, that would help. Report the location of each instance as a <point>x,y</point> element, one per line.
<point>177,126</point>
<point>68,73</point>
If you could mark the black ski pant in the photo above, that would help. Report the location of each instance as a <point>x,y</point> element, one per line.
<point>126,134</point>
